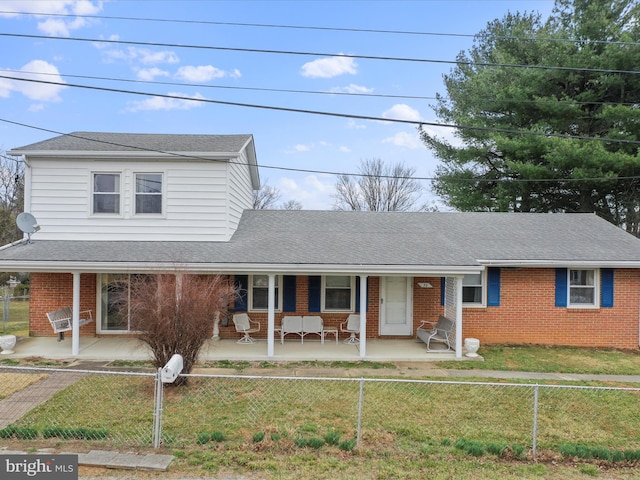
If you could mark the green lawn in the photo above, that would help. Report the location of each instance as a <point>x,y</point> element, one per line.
<point>18,323</point>
<point>553,360</point>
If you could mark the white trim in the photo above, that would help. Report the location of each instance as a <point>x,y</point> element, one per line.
<point>120,193</point>
<point>163,196</point>
<point>561,263</point>
<point>596,289</point>
<point>484,289</point>
<point>250,293</point>
<point>352,289</point>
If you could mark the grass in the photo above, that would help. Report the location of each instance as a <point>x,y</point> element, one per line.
<point>18,323</point>
<point>552,360</point>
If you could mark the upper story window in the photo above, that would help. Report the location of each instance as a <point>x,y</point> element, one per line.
<point>473,289</point>
<point>338,293</point>
<point>148,193</point>
<point>259,292</point>
<point>583,288</point>
<point>106,193</point>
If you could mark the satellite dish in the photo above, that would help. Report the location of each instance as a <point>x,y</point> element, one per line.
<point>28,224</point>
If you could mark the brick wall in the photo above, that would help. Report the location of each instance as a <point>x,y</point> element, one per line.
<point>51,291</point>
<point>527,314</point>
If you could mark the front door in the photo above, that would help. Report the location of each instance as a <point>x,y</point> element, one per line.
<point>396,306</point>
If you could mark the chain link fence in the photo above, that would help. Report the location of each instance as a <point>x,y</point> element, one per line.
<point>118,410</point>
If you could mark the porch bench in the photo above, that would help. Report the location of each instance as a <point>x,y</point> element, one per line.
<point>62,320</point>
<point>303,326</point>
<point>440,332</point>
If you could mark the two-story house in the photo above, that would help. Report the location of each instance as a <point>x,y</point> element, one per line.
<point>110,205</point>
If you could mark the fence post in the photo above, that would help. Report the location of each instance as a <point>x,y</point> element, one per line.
<point>157,410</point>
<point>535,422</point>
<point>360,402</point>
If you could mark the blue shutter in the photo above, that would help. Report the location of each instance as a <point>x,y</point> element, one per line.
<point>443,290</point>
<point>606,287</point>
<point>493,287</point>
<point>289,293</point>
<point>315,292</point>
<point>242,283</point>
<point>357,309</point>
<point>561,287</point>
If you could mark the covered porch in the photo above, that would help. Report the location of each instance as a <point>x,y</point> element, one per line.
<point>132,349</point>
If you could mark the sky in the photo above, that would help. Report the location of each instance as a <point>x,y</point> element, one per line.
<point>242,64</point>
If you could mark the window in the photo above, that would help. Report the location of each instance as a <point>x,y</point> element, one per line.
<point>472,289</point>
<point>259,292</point>
<point>338,293</point>
<point>583,290</point>
<point>148,193</point>
<point>106,193</point>
<point>115,294</point>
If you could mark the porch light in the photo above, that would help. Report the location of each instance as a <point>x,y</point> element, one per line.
<point>425,285</point>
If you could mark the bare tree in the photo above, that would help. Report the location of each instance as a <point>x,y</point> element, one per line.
<point>379,188</point>
<point>11,197</point>
<point>175,312</point>
<point>291,205</point>
<point>266,197</point>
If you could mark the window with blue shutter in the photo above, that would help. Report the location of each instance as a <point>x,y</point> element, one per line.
<point>289,293</point>
<point>315,292</point>
<point>561,287</point>
<point>493,287</point>
<point>606,287</point>
<point>242,283</point>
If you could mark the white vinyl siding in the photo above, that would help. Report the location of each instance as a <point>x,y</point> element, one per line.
<point>196,203</point>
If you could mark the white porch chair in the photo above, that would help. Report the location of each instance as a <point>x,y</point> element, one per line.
<point>352,326</point>
<point>291,324</point>
<point>246,326</point>
<point>312,324</point>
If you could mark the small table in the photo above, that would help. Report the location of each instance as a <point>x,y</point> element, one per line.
<point>331,331</point>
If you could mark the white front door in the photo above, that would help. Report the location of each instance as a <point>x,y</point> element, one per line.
<point>396,306</point>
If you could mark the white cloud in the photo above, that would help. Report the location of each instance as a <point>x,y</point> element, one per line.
<point>35,70</point>
<point>401,111</point>
<point>164,103</point>
<point>149,74</point>
<point>314,192</point>
<point>352,88</point>
<point>329,67</point>
<point>140,55</point>
<point>204,73</point>
<point>301,147</point>
<point>55,26</point>
<point>344,149</point>
<point>404,139</point>
<point>352,124</point>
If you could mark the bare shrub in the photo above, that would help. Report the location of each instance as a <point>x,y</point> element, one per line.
<point>174,313</point>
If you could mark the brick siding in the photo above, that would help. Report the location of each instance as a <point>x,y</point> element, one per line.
<point>527,313</point>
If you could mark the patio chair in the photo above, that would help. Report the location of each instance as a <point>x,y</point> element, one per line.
<point>352,326</point>
<point>312,324</point>
<point>246,326</point>
<point>291,324</point>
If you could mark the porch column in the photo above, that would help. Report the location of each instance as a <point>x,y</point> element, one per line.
<point>363,316</point>
<point>75,341</point>
<point>271,316</point>
<point>459,317</point>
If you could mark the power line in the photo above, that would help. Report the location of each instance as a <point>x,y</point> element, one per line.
<point>320,28</point>
<point>417,123</point>
<point>310,92</point>
<point>326,172</point>
<point>322,54</point>
<point>229,87</point>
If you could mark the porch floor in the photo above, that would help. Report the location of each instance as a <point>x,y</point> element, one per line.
<point>119,348</point>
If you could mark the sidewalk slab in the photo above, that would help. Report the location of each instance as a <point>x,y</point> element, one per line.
<point>96,458</point>
<point>154,461</point>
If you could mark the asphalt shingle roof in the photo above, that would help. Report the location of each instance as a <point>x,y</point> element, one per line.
<point>126,142</point>
<point>371,239</point>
